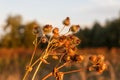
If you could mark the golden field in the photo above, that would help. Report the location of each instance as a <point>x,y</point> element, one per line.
<point>14,61</point>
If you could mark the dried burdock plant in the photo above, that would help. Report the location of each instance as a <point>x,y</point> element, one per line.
<point>65,45</point>
<point>98,63</point>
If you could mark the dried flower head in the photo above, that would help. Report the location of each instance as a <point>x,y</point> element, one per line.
<point>55,30</point>
<point>93,59</point>
<point>101,67</point>
<point>44,39</point>
<point>67,58</point>
<point>47,29</point>
<point>55,57</point>
<point>67,43</point>
<point>35,29</point>
<point>98,63</point>
<point>100,58</point>
<point>72,51</point>
<point>61,40</point>
<point>55,42</point>
<point>79,58</point>
<point>66,22</point>
<point>96,59</point>
<point>55,35</point>
<point>91,68</point>
<point>74,28</point>
<point>76,41</point>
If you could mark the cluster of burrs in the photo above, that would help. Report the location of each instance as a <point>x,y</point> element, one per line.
<point>64,45</point>
<point>98,63</point>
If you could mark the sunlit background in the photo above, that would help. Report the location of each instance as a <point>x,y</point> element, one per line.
<point>99,21</point>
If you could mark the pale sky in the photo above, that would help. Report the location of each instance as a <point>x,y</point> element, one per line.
<point>83,12</point>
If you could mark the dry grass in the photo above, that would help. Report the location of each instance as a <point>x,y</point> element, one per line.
<point>13,61</point>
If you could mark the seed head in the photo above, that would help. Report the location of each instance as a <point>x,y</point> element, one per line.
<point>44,39</point>
<point>62,40</point>
<point>67,43</point>
<point>55,35</point>
<point>93,59</point>
<point>79,58</point>
<point>98,67</point>
<point>66,58</point>
<point>74,28</point>
<point>55,57</point>
<point>55,31</point>
<point>100,58</point>
<point>66,22</point>
<point>91,68</point>
<point>102,67</point>
<point>35,29</point>
<point>71,51</point>
<point>76,41</point>
<point>47,29</point>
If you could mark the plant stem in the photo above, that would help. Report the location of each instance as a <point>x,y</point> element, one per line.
<point>72,71</point>
<point>33,55</point>
<point>36,70</point>
<point>62,29</point>
<point>33,52</point>
<point>44,57</point>
<point>50,74</point>
<point>25,75</point>
<point>35,62</point>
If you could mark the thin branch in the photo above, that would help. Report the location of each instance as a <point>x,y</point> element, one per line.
<point>33,54</point>
<point>36,70</point>
<point>25,75</point>
<point>50,74</point>
<point>73,71</point>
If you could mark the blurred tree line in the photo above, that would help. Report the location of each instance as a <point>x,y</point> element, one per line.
<point>98,36</point>
<point>19,35</point>
<point>101,36</point>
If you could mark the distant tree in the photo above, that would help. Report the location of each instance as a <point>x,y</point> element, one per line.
<point>11,39</point>
<point>84,35</point>
<point>101,36</point>
<point>28,36</point>
<point>113,33</point>
<point>20,35</point>
<point>97,35</point>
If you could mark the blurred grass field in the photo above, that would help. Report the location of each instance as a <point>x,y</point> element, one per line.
<point>14,61</point>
